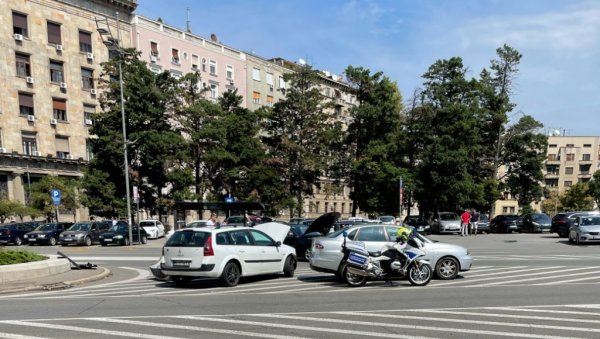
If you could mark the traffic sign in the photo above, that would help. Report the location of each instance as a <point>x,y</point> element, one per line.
<point>55,197</point>
<point>228,199</point>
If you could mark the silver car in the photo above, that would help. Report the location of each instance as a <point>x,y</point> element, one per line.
<point>445,222</point>
<point>585,229</point>
<point>447,259</point>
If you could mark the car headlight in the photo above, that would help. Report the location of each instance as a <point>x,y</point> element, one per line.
<point>41,236</point>
<point>25,236</point>
<point>79,235</point>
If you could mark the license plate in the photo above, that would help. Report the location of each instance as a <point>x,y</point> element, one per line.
<point>181,263</point>
<point>107,240</point>
<point>67,239</point>
<point>32,239</point>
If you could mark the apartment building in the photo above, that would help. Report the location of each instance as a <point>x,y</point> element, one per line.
<point>265,83</point>
<point>571,159</point>
<point>51,59</point>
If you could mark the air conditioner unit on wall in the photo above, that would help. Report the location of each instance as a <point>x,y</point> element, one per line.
<point>63,85</point>
<point>68,156</point>
<point>29,80</point>
<point>31,118</point>
<point>18,37</point>
<point>36,153</point>
<point>93,91</point>
<point>53,121</point>
<point>90,56</point>
<point>152,58</point>
<point>88,121</point>
<point>59,48</point>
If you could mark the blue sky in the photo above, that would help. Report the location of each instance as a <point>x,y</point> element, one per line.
<point>559,75</point>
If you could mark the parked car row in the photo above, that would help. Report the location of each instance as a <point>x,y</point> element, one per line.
<point>79,233</point>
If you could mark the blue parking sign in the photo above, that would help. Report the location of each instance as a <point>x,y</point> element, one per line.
<point>55,197</point>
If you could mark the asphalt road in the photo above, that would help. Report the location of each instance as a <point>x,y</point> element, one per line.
<point>521,285</point>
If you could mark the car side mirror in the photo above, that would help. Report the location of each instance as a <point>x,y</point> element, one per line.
<point>277,243</point>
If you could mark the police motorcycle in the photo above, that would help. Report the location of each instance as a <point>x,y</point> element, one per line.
<point>392,262</point>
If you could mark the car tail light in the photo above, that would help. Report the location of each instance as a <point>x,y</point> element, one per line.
<point>561,221</point>
<point>208,249</point>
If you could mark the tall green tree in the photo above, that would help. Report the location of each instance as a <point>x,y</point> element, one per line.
<point>576,198</point>
<point>299,134</point>
<point>372,137</point>
<point>41,198</point>
<point>594,188</point>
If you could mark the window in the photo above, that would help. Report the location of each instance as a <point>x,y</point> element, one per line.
<point>256,97</point>
<point>87,78</point>
<point>570,156</point>
<point>194,61</point>
<point>239,237</point>
<point>212,67</point>
<point>20,24</point>
<point>229,72</point>
<point>337,110</point>
<point>23,65</point>
<point>376,233</point>
<point>29,143</point>
<point>89,155</point>
<point>568,170</point>
<point>85,42</point>
<point>568,183</point>
<point>54,33</point>
<point>551,157</point>
<point>570,145</point>
<point>270,100</point>
<point>552,146</point>
<point>176,74</point>
<point>586,157</point>
<point>62,147</point>
<point>261,239</point>
<point>326,207</point>
<point>88,112</point>
<point>214,91</point>
<point>281,82</point>
<point>175,56</point>
<point>256,74</point>
<point>203,64</point>
<point>56,71</point>
<point>587,145</point>
<point>270,80</point>
<point>59,109</point>
<point>154,49</point>
<point>26,104</point>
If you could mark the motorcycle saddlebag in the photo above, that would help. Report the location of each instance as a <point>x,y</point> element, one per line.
<point>357,259</point>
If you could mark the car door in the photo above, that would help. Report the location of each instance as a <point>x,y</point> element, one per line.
<point>246,251</point>
<point>372,236</point>
<point>269,255</point>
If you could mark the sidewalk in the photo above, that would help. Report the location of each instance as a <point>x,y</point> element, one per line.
<point>56,281</point>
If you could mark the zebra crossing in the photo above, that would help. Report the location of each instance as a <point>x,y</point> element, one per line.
<point>544,321</point>
<point>309,281</point>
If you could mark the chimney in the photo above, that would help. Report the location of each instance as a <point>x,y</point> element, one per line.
<point>213,38</point>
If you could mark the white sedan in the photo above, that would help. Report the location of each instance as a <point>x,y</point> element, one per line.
<point>326,255</point>
<point>154,228</point>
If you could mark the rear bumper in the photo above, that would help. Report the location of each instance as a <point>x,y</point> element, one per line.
<point>206,270</point>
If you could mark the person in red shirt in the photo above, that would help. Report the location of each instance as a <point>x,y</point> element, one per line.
<point>465,218</point>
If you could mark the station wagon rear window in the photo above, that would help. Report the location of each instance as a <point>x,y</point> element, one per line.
<point>187,239</point>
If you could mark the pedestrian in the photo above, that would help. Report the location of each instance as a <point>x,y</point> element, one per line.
<point>474,221</point>
<point>215,220</point>
<point>465,218</point>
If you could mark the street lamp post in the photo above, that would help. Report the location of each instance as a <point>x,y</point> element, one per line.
<point>107,38</point>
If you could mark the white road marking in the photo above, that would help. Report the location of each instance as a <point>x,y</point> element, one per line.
<point>573,280</point>
<point>19,336</point>
<point>518,316</point>
<point>509,273</point>
<point>554,276</point>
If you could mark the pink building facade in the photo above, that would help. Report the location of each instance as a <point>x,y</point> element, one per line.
<point>167,48</point>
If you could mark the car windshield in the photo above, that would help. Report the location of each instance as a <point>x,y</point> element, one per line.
<point>119,228</point>
<point>46,227</point>
<point>541,218</point>
<point>201,223</point>
<point>416,221</point>
<point>299,229</point>
<point>80,227</point>
<point>448,216</point>
<point>588,221</point>
<point>387,219</point>
<point>483,217</point>
<point>187,238</point>
<point>147,223</point>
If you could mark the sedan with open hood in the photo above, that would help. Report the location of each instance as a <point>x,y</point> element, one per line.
<point>300,235</point>
<point>228,253</point>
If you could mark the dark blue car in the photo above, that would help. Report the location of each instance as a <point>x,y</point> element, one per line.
<point>14,233</point>
<point>47,234</point>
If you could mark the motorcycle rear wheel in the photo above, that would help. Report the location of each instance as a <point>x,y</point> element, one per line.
<point>420,276</point>
<point>353,280</point>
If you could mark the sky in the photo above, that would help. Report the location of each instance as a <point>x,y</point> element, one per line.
<point>558,82</point>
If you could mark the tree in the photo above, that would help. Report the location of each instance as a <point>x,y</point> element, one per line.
<point>299,134</point>
<point>7,209</point>
<point>41,198</point>
<point>594,188</point>
<point>373,136</point>
<point>552,204</point>
<point>576,198</point>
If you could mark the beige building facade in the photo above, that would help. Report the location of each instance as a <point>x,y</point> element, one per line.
<point>570,159</point>
<point>52,55</point>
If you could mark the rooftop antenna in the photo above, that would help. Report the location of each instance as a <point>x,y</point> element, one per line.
<point>188,20</point>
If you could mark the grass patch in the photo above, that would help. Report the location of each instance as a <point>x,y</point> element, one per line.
<point>9,257</point>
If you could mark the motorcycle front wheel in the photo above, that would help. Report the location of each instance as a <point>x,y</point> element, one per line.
<point>353,280</point>
<point>420,276</point>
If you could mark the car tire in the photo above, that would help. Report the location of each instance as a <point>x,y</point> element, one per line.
<point>231,275</point>
<point>18,241</point>
<point>447,268</point>
<point>52,241</point>
<point>306,254</point>
<point>126,241</point>
<point>289,267</point>
<point>87,241</point>
<point>181,281</point>
<point>144,240</point>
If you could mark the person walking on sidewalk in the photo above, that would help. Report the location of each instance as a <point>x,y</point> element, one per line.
<point>474,221</point>
<point>465,218</point>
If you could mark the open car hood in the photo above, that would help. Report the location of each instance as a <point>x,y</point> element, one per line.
<point>323,223</point>
<point>275,230</point>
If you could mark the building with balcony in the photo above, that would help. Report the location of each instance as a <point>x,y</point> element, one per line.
<point>52,55</point>
<point>571,159</point>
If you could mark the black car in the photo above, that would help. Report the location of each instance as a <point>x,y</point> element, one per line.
<point>536,222</point>
<point>561,222</point>
<point>47,234</point>
<point>418,222</point>
<point>483,225</point>
<point>119,235</point>
<point>14,233</point>
<point>300,235</point>
<point>505,223</point>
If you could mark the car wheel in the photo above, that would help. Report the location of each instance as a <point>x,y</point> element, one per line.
<point>307,254</point>
<point>180,281</point>
<point>52,241</point>
<point>126,241</point>
<point>289,267</point>
<point>18,241</point>
<point>144,240</point>
<point>231,275</point>
<point>88,241</point>
<point>446,268</point>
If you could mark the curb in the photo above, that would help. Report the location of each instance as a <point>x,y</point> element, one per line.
<point>62,285</point>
